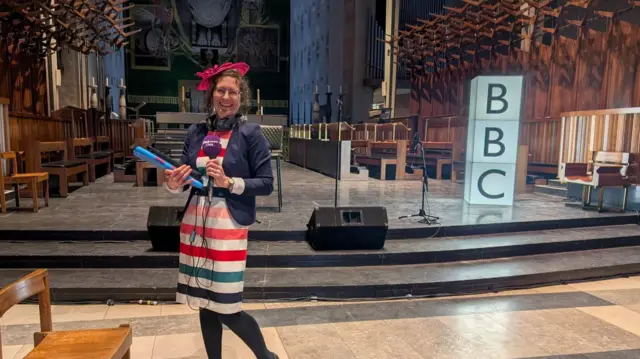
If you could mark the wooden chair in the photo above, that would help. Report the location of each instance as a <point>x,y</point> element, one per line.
<point>58,163</point>
<point>15,179</point>
<point>113,343</point>
<point>101,144</point>
<point>91,158</point>
<point>275,137</point>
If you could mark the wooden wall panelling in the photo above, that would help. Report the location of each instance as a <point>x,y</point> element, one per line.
<point>543,138</point>
<point>562,81</point>
<point>590,62</point>
<point>23,81</point>
<point>623,66</point>
<point>25,128</point>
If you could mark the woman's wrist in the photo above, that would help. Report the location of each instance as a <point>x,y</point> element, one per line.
<point>176,190</point>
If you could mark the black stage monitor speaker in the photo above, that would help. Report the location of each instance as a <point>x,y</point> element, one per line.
<point>163,227</point>
<point>335,228</point>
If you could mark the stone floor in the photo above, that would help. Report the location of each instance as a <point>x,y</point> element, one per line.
<point>591,320</point>
<point>105,205</point>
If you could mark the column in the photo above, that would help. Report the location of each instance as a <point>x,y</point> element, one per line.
<point>390,66</point>
<point>493,132</point>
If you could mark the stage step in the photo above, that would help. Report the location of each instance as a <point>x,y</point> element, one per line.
<point>551,190</point>
<point>349,282</point>
<point>297,231</point>
<point>556,183</point>
<point>553,187</point>
<point>271,254</point>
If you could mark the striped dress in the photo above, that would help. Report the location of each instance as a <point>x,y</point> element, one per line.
<point>212,256</point>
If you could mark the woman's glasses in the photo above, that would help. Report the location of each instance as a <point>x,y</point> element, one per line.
<point>221,91</point>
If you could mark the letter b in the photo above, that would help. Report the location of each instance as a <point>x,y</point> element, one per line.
<point>488,141</point>
<point>491,98</point>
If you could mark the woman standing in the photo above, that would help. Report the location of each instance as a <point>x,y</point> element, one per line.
<point>214,230</point>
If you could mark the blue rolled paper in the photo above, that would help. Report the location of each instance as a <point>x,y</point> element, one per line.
<point>161,164</point>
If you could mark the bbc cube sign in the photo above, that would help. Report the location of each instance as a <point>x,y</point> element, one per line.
<point>492,140</point>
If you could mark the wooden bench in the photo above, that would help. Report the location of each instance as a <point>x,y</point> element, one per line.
<point>436,154</point>
<point>542,168</point>
<point>111,343</point>
<point>605,169</point>
<point>57,163</point>
<point>91,158</point>
<point>15,179</point>
<point>383,154</point>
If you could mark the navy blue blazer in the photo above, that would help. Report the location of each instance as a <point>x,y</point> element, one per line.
<point>247,156</point>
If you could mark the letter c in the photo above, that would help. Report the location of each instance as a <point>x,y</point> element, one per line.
<point>481,181</point>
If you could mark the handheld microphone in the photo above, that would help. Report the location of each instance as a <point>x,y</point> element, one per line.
<point>211,147</point>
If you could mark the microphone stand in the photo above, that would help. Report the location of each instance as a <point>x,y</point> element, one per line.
<point>339,159</point>
<point>426,218</point>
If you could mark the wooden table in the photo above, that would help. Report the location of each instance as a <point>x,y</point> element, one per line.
<point>441,162</point>
<point>112,343</point>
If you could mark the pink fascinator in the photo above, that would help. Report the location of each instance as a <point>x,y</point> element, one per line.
<point>207,74</point>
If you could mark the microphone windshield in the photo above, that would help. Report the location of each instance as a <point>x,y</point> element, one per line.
<point>211,146</point>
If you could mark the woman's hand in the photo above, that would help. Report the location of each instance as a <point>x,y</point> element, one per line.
<point>178,177</point>
<point>215,171</point>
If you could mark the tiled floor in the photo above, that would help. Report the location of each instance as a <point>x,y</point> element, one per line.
<point>109,206</point>
<point>594,320</point>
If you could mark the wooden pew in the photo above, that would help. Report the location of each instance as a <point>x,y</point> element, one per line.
<point>57,163</point>
<point>436,154</point>
<point>605,169</point>
<point>445,133</point>
<point>108,343</point>
<point>82,149</point>
<point>383,154</point>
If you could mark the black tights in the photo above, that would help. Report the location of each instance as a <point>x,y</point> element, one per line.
<point>242,324</point>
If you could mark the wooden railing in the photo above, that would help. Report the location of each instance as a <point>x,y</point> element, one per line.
<point>392,132</point>
<point>365,132</point>
<point>336,131</point>
<point>340,131</point>
<point>442,128</point>
<point>381,132</point>
<point>583,132</point>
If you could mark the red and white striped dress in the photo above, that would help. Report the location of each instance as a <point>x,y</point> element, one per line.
<point>213,250</point>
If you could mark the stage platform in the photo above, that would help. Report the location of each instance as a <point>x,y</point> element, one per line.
<point>118,211</point>
<point>96,246</point>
